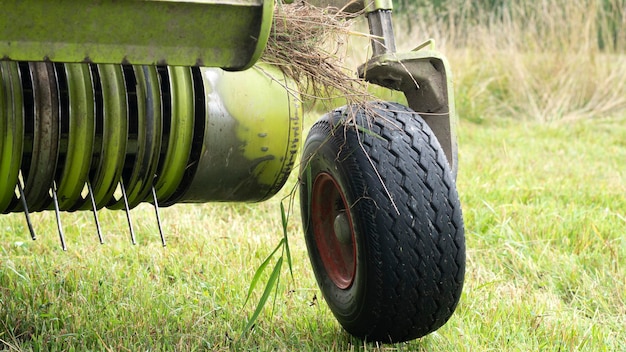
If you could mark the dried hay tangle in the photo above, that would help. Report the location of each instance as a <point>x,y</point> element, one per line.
<point>308,44</point>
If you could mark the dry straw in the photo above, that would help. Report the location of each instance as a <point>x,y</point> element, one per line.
<point>308,43</point>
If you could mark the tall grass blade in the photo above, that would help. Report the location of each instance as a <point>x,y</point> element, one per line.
<point>271,282</point>
<point>285,220</point>
<point>260,270</point>
<point>369,132</point>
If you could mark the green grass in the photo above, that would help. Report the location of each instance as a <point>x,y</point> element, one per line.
<point>529,61</point>
<point>545,213</point>
<point>541,178</point>
<point>545,210</point>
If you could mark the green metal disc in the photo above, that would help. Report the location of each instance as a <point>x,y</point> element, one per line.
<point>44,157</point>
<point>106,175</point>
<point>11,131</point>
<point>149,144</point>
<point>148,140</point>
<point>81,135</point>
<point>5,138</point>
<point>115,131</point>
<point>181,132</point>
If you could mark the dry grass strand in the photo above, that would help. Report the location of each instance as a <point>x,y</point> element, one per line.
<point>309,44</point>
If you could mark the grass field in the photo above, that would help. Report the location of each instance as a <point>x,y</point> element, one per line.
<point>542,181</point>
<point>545,213</point>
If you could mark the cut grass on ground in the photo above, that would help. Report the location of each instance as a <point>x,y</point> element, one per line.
<point>545,214</point>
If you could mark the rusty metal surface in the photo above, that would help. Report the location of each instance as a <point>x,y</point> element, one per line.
<point>45,115</point>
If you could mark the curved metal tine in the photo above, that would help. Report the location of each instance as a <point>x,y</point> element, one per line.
<point>58,215</point>
<point>95,211</point>
<point>23,199</point>
<point>130,222</point>
<point>158,217</point>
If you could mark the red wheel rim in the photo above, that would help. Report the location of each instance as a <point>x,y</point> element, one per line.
<point>333,230</point>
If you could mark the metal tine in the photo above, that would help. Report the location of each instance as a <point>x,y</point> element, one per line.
<point>58,215</point>
<point>28,222</point>
<point>95,212</point>
<point>158,217</point>
<point>130,222</point>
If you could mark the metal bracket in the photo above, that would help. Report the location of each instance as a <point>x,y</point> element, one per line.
<point>422,75</point>
<point>424,78</point>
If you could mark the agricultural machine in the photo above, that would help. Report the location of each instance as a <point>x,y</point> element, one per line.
<point>111,103</point>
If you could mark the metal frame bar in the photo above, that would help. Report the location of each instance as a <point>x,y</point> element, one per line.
<point>219,33</point>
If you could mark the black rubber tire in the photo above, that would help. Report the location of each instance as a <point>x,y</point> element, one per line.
<point>410,252</point>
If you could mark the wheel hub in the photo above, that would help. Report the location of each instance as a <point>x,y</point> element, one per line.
<point>333,230</point>
<point>342,228</point>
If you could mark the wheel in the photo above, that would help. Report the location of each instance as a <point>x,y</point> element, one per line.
<point>382,222</point>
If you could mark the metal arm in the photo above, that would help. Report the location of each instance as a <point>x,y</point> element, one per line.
<point>422,75</point>
<point>381,29</point>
